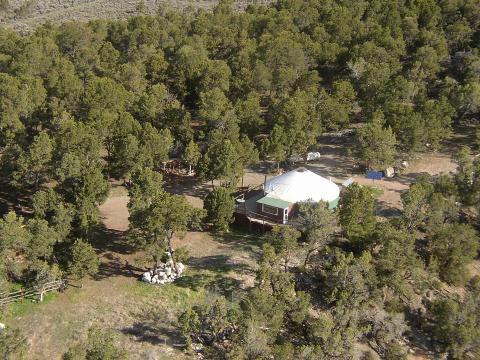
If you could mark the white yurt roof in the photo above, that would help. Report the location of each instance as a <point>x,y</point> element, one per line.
<point>301,185</point>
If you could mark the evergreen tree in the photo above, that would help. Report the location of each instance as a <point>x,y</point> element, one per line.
<point>454,246</point>
<point>220,207</point>
<point>34,164</point>
<point>284,241</point>
<point>357,214</point>
<point>318,225</point>
<point>191,155</point>
<point>100,345</point>
<point>156,216</point>
<point>84,260</point>
<point>375,144</point>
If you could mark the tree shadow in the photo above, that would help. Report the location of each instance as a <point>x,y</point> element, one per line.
<point>463,134</point>
<point>110,245</point>
<point>218,264</point>
<point>116,266</point>
<point>153,327</point>
<point>13,199</point>
<point>417,337</point>
<point>210,272</point>
<point>110,240</point>
<point>384,209</point>
<point>216,283</point>
<point>185,185</point>
<point>240,239</point>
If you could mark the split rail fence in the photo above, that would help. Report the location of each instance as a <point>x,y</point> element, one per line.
<point>34,292</point>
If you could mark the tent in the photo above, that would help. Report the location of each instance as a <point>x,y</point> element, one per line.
<point>302,185</point>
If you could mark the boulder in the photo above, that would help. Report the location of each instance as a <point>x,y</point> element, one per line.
<point>163,274</point>
<point>180,268</point>
<point>147,277</point>
<point>389,172</point>
<point>313,155</point>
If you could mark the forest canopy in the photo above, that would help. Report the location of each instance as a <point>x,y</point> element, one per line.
<point>84,103</point>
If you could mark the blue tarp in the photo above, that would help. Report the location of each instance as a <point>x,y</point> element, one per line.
<point>374,175</point>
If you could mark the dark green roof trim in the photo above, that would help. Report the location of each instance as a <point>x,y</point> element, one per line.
<point>270,201</point>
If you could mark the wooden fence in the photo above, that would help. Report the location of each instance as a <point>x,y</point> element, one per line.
<point>36,292</point>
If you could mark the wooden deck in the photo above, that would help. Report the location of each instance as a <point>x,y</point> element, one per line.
<point>246,206</point>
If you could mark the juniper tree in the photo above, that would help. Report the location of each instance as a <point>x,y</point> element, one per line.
<point>356,214</point>
<point>99,345</point>
<point>34,164</point>
<point>220,207</point>
<point>155,215</point>
<point>375,144</point>
<point>453,246</point>
<point>284,240</point>
<point>318,225</point>
<point>83,260</point>
<point>191,155</point>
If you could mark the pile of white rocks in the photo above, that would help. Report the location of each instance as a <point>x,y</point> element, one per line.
<point>164,273</point>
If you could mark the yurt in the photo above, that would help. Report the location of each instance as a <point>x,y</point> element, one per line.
<point>282,192</point>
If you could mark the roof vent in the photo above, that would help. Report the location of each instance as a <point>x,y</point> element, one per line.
<point>302,169</point>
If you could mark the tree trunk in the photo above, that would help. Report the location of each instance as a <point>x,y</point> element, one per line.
<point>155,262</point>
<point>170,250</point>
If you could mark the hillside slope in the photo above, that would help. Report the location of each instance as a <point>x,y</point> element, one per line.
<point>25,15</point>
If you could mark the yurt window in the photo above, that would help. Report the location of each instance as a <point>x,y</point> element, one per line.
<point>269,209</point>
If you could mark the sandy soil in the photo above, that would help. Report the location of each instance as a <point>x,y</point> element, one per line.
<point>114,213</point>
